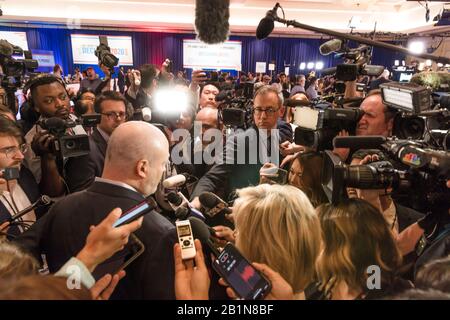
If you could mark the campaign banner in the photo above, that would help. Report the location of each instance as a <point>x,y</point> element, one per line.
<point>199,55</point>
<point>84,46</point>
<point>44,58</point>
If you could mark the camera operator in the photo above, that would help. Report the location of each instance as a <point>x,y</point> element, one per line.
<point>50,98</point>
<point>81,173</point>
<point>267,110</point>
<point>93,83</point>
<point>16,194</point>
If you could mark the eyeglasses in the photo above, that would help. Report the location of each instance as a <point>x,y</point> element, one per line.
<point>10,152</point>
<point>269,111</point>
<point>115,115</point>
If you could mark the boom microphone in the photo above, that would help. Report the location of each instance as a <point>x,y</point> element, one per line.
<point>42,201</point>
<point>330,46</point>
<point>211,20</point>
<point>362,142</point>
<point>266,25</point>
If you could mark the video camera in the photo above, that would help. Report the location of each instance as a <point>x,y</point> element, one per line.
<point>104,55</point>
<point>235,111</point>
<point>421,175</point>
<point>63,144</point>
<point>317,127</point>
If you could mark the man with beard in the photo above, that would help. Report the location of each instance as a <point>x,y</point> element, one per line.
<point>81,173</point>
<point>16,194</point>
<point>50,98</point>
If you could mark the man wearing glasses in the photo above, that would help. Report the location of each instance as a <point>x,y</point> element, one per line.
<point>81,173</point>
<point>16,194</point>
<point>247,151</point>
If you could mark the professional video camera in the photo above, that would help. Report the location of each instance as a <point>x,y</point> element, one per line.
<point>104,55</point>
<point>420,172</point>
<point>13,70</point>
<point>235,111</point>
<point>317,127</point>
<point>64,145</point>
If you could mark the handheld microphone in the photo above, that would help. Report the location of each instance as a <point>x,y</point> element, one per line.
<point>266,25</point>
<point>361,142</point>
<point>203,233</point>
<point>177,200</point>
<point>42,201</point>
<point>211,20</point>
<point>213,204</point>
<point>175,181</point>
<point>330,46</point>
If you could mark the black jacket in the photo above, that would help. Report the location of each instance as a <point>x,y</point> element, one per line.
<point>62,233</point>
<point>406,216</point>
<point>233,175</point>
<point>80,172</point>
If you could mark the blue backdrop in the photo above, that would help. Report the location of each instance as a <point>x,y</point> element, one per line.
<point>153,47</point>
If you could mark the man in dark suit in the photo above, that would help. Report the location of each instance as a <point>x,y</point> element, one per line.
<point>247,151</point>
<point>132,172</point>
<point>81,172</point>
<point>15,194</point>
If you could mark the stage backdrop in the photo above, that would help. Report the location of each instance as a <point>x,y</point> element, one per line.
<point>152,47</point>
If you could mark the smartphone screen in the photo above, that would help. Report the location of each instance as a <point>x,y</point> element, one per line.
<point>245,280</point>
<point>133,214</point>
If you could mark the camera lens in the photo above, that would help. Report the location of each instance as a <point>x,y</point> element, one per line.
<point>70,145</point>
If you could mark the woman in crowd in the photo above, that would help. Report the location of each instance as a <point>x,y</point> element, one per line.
<point>275,225</point>
<point>357,244</point>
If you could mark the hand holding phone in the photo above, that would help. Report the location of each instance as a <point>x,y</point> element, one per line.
<point>274,174</point>
<point>136,212</point>
<point>238,272</point>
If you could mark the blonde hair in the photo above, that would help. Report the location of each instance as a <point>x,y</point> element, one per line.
<point>14,263</point>
<point>355,236</point>
<point>277,225</point>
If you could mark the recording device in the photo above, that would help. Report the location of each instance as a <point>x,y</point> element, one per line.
<point>317,128</point>
<point>275,174</point>
<point>135,249</point>
<point>234,112</point>
<point>243,278</point>
<point>136,212</point>
<point>63,144</point>
<point>211,20</point>
<point>212,76</point>
<point>10,173</point>
<point>213,205</point>
<point>350,71</point>
<point>205,234</point>
<point>90,120</point>
<point>177,200</point>
<point>42,201</point>
<point>14,69</point>
<point>185,239</point>
<point>104,55</point>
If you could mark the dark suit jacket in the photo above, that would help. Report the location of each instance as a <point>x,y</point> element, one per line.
<point>62,233</point>
<point>80,172</point>
<point>29,185</point>
<point>233,175</point>
<point>406,216</point>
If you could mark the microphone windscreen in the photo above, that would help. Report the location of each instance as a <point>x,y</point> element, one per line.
<point>211,20</point>
<point>200,229</point>
<point>174,181</point>
<point>209,200</point>
<point>265,28</point>
<point>362,142</point>
<point>330,46</point>
<point>174,198</point>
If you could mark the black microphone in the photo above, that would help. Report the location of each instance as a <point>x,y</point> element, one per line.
<point>177,201</point>
<point>211,20</point>
<point>266,25</point>
<point>328,71</point>
<point>361,142</point>
<point>330,46</point>
<point>213,204</point>
<point>204,233</point>
<point>42,201</point>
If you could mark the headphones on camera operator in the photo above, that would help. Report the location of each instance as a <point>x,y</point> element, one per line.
<point>40,79</point>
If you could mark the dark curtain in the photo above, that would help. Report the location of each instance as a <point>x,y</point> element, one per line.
<point>153,47</point>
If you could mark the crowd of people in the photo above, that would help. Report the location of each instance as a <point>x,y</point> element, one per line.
<point>300,242</point>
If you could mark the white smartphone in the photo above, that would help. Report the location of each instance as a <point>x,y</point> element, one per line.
<point>186,239</point>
